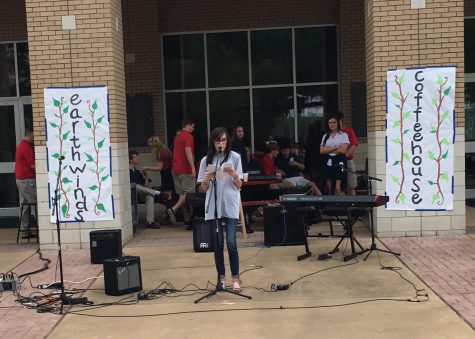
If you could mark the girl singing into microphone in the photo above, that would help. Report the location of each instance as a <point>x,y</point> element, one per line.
<point>220,175</point>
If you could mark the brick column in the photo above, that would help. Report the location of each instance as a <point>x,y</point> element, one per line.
<point>400,37</point>
<point>90,55</point>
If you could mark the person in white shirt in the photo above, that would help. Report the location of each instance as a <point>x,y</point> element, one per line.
<point>220,175</point>
<point>333,148</point>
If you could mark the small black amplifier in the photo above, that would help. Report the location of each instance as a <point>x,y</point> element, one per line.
<point>122,275</point>
<point>105,244</point>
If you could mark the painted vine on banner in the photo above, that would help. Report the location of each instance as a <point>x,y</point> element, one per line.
<point>77,123</point>
<point>420,138</point>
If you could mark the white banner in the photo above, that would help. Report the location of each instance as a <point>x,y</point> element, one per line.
<point>420,136</point>
<point>77,128</point>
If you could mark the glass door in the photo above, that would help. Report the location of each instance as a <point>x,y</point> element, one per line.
<point>470,136</point>
<point>10,134</point>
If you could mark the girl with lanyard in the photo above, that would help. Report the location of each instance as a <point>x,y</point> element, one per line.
<point>220,175</point>
<point>333,149</point>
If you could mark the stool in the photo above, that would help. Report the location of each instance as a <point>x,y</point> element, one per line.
<point>30,227</point>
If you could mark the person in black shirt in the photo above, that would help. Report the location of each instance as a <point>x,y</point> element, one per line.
<point>238,146</point>
<point>292,165</point>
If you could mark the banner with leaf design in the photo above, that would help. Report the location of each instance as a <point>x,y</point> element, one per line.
<point>77,128</point>
<point>420,136</point>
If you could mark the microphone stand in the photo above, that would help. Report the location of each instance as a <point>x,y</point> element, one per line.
<point>65,300</point>
<point>219,287</point>
<point>373,246</point>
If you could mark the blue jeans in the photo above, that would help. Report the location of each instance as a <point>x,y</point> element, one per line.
<point>218,240</point>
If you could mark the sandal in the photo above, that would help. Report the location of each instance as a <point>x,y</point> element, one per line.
<point>236,286</point>
<point>221,284</point>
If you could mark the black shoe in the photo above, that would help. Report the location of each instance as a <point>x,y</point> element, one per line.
<point>153,225</point>
<point>249,231</point>
<point>171,216</point>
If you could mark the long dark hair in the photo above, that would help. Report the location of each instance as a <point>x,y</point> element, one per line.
<point>215,135</point>
<point>234,136</point>
<point>327,128</point>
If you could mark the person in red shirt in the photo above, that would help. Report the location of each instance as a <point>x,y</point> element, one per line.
<point>183,169</point>
<point>25,175</point>
<point>350,152</point>
<point>266,160</point>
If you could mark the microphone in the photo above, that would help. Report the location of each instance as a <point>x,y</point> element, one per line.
<point>341,166</point>
<point>61,157</point>
<point>220,149</point>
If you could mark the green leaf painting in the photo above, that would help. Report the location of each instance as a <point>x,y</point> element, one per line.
<point>434,101</point>
<point>64,209</point>
<point>94,105</point>
<point>88,124</point>
<point>56,155</point>
<point>396,163</point>
<point>93,187</point>
<point>65,135</point>
<point>402,197</point>
<point>396,123</point>
<point>431,155</point>
<point>66,181</point>
<point>395,95</point>
<point>405,156</point>
<point>444,176</point>
<point>101,207</point>
<point>89,157</point>
<point>66,109</point>
<point>104,177</point>
<point>394,179</point>
<point>405,115</point>
<point>444,156</point>
<point>447,91</point>
<point>53,125</point>
<point>101,143</point>
<point>435,197</point>
<point>445,141</point>
<point>56,103</point>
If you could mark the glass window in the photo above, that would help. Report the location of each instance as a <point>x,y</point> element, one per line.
<point>7,71</point>
<point>193,105</point>
<point>184,61</point>
<point>8,191</point>
<point>227,59</point>
<point>273,113</point>
<point>469,41</point>
<point>7,134</point>
<point>229,109</point>
<point>313,102</point>
<point>316,54</point>
<point>23,69</point>
<point>470,111</point>
<point>271,57</point>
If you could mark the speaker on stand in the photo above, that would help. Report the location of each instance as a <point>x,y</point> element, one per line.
<point>105,244</point>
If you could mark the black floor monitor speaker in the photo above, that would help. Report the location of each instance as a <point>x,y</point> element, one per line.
<point>122,275</point>
<point>202,236</point>
<point>105,244</point>
<point>283,226</point>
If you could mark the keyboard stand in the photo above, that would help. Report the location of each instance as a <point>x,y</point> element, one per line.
<point>347,217</point>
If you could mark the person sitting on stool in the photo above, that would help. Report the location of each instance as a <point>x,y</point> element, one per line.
<point>25,175</point>
<point>220,175</point>
<point>139,178</point>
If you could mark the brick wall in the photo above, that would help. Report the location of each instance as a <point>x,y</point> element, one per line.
<point>143,54</point>
<point>469,7</point>
<point>12,20</point>
<point>352,51</point>
<point>90,55</point>
<point>397,36</point>
<point>191,15</point>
